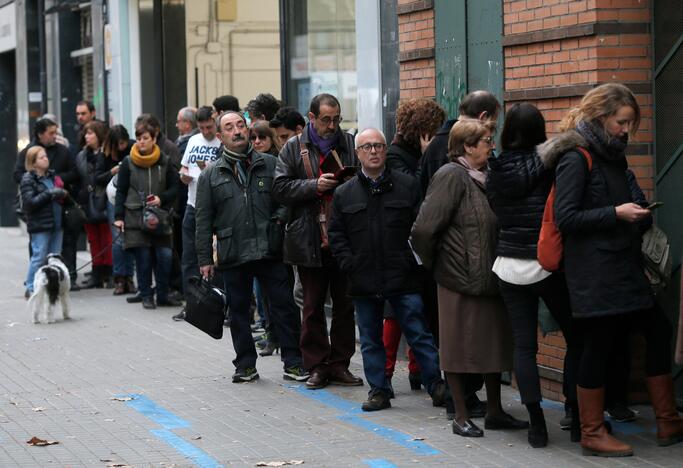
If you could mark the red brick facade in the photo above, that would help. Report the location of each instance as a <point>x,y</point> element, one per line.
<point>554,51</point>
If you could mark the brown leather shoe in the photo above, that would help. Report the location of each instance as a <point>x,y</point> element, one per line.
<point>346,379</point>
<point>669,423</point>
<point>594,437</point>
<point>317,379</point>
<point>119,285</point>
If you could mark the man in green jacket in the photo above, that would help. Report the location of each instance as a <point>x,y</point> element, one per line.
<point>234,203</point>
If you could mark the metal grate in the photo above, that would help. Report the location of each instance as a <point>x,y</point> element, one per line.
<point>668,20</point>
<point>669,109</point>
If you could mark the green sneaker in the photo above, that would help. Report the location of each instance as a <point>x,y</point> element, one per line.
<point>245,375</point>
<point>297,373</point>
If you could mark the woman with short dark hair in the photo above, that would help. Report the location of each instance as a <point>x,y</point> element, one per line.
<point>147,179</point>
<point>517,187</point>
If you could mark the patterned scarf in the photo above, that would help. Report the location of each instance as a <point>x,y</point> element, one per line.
<point>239,163</point>
<point>144,160</point>
<point>610,148</point>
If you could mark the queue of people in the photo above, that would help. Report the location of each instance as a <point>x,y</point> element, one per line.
<point>433,235</point>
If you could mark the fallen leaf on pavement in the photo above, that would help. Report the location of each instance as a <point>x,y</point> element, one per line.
<point>197,438</point>
<point>125,398</point>
<point>281,463</point>
<point>418,438</point>
<point>35,441</point>
<point>38,409</point>
<point>118,465</point>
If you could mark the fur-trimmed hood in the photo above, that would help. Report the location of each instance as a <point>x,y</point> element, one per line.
<point>550,150</point>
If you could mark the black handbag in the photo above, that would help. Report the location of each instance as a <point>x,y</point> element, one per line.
<point>205,306</point>
<point>96,208</point>
<point>73,216</point>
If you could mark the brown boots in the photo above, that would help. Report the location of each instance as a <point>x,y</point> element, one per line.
<point>594,437</point>
<point>669,423</point>
<point>124,285</point>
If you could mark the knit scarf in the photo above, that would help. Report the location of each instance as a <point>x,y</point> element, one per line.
<point>325,145</point>
<point>610,148</point>
<point>144,160</point>
<point>477,175</point>
<point>239,163</point>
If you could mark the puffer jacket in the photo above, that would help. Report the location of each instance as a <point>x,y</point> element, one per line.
<point>517,187</point>
<point>247,222</point>
<point>37,202</point>
<point>602,255</point>
<point>368,233</point>
<point>298,193</point>
<point>455,233</point>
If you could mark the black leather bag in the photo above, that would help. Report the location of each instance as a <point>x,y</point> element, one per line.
<point>96,208</point>
<point>205,307</point>
<point>73,216</point>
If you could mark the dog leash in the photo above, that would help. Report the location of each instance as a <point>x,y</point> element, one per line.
<point>100,253</point>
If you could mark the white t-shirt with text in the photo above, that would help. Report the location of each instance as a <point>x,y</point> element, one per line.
<point>198,149</point>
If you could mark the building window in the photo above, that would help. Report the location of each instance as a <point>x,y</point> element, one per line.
<point>320,54</point>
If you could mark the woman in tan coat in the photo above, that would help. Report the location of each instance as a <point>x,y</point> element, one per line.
<point>455,236</point>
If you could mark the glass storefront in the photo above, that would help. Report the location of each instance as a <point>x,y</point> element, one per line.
<point>320,54</point>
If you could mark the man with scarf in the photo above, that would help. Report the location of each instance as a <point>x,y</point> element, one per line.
<point>234,203</point>
<point>305,182</point>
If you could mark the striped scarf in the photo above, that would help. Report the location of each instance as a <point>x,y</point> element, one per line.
<point>239,162</point>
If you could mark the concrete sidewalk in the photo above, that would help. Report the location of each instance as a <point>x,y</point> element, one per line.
<point>120,385</point>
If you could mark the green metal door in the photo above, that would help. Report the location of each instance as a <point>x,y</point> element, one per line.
<point>468,49</point>
<point>668,99</point>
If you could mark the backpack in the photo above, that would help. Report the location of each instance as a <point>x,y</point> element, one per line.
<point>550,247</point>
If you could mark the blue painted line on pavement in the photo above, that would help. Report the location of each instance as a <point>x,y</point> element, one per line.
<point>169,421</point>
<point>352,415</point>
<point>379,463</point>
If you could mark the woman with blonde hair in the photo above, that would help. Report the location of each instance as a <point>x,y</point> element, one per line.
<point>455,236</point>
<point>41,196</point>
<point>601,228</point>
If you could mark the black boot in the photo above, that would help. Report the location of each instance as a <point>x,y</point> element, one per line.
<point>538,432</point>
<point>106,276</point>
<point>95,280</point>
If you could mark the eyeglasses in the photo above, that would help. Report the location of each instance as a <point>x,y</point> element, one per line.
<point>367,147</point>
<point>258,137</point>
<point>327,120</point>
<point>489,140</point>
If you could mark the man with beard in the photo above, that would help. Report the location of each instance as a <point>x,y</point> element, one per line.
<point>305,181</point>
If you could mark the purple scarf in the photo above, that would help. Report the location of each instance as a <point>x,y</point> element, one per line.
<point>325,145</point>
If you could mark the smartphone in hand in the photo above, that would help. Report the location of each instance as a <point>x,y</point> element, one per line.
<point>654,205</point>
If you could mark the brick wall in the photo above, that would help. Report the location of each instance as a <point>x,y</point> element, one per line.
<point>555,51</point>
<point>416,48</point>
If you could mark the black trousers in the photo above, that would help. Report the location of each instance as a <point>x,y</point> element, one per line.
<point>600,333</point>
<point>521,302</point>
<point>277,287</point>
<point>69,248</point>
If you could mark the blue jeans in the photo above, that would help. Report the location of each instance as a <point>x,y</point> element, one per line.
<point>188,262</point>
<point>408,311</point>
<point>42,244</point>
<point>124,262</point>
<point>161,264</point>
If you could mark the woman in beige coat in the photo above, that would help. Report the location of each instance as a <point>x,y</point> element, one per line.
<point>455,236</point>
